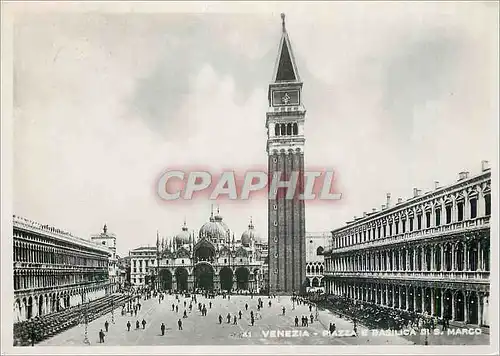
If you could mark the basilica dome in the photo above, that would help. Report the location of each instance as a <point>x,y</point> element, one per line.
<point>215,229</point>
<point>182,238</point>
<point>249,235</point>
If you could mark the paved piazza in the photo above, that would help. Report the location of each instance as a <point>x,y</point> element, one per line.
<point>199,330</point>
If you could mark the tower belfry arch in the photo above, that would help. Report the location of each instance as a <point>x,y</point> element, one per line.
<point>285,148</point>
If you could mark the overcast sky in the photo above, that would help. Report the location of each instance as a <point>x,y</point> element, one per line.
<point>397,96</point>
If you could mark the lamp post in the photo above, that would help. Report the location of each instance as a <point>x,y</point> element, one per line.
<point>112,310</point>
<point>86,321</point>
<point>32,332</point>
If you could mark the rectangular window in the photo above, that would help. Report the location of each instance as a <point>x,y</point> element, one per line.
<point>473,208</point>
<point>419,222</point>
<point>460,207</point>
<point>438,217</point>
<point>428,219</point>
<point>411,224</point>
<point>487,204</point>
<point>385,230</point>
<point>364,236</point>
<point>403,226</point>
<point>390,229</point>
<point>397,227</point>
<point>448,214</point>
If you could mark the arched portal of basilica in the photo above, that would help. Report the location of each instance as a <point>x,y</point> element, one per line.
<point>213,260</point>
<point>204,277</point>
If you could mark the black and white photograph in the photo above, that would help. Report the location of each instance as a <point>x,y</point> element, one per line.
<point>250,177</point>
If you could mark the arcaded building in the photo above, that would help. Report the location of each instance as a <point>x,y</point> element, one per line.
<point>213,260</point>
<point>429,254</point>
<point>108,239</point>
<point>54,269</point>
<point>315,261</point>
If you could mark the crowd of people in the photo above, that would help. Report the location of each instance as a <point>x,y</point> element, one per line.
<point>378,317</point>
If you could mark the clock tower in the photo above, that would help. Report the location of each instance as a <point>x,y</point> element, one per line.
<point>285,148</point>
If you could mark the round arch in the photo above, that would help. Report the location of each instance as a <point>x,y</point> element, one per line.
<point>165,279</point>
<point>204,276</point>
<point>242,276</point>
<point>181,276</point>
<point>226,278</point>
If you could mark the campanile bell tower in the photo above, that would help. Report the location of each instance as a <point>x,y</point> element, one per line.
<point>285,148</point>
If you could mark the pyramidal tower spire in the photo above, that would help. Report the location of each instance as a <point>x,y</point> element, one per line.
<point>285,68</point>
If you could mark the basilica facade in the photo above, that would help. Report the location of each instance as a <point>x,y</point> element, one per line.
<point>212,260</point>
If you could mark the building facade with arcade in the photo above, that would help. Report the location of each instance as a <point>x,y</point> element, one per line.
<point>429,254</point>
<point>54,269</point>
<point>143,264</point>
<point>108,239</point>
<point>213,260</point>
<point>316,243</point>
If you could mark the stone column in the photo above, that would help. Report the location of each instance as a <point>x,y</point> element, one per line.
<point>443,263</point>
<point>453,305</point>
<point>466,307</point>
<point>406,297</point>
<point>414,299</point>
<point>479,256</point>
<point>441,312</point>
<point>466,256</point>
<point>423,298</point>
<point>480,306</point>
<point>453,257</point>
<point>433,303</point>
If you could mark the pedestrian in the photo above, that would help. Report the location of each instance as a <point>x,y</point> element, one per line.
<point>239,313</point>
<point>269,304</point>
<point>220,319</point>
<point>135,311</point>
<point>228,318</point>
<point>296,320</point>
<point>185,314</point>
<point>310,307</point>
<point>101,336</point>
<point>234,320</point>
<point>173,306</point>
<point>312,318</point>
<point>162,329</point>
<point>137,324</point>
<point>246,306</point>
<point>128,325</point>
<point>176,308</point>
<point>210,305</point>
<point>184,304</point>
<point>179,324</point>
<point>106,325</point>
<point>252,320</point>
<point>283,310</point>
<point>143,323</point>
<point>190,307</point>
